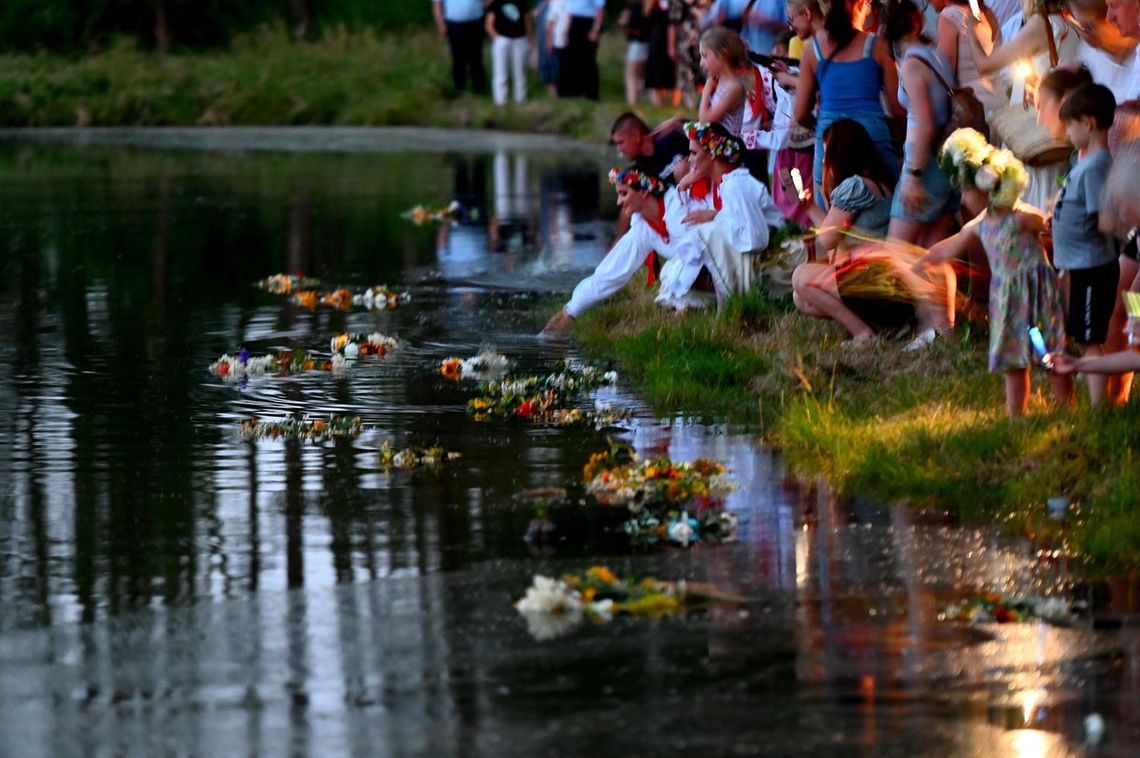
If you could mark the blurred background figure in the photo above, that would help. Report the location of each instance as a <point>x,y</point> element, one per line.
<point>578,60</point>
<point>637,48</point>
<point>460,22</point>
<point>545,59</point>
<point>661,68</point>
<point>510,26</point>
<point>684,37</point>
<point>763,21</point>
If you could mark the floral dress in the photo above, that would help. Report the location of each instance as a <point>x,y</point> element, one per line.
<point>685,15</point>
<point>1023,293</point>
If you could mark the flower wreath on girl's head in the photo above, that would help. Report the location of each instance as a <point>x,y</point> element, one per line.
<point>970,160</point>
<point>718,143</point>
<point>638,180</point>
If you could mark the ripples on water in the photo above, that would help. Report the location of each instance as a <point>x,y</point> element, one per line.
<point>124,486</point>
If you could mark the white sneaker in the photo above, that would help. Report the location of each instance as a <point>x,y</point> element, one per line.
<point>923,339</point>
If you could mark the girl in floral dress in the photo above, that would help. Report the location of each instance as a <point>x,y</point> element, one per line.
<point>1024,291</point>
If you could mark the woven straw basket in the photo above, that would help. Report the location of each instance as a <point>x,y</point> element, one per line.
<point>1016,126</point>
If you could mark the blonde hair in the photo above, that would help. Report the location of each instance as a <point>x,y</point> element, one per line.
<point>726,44</point>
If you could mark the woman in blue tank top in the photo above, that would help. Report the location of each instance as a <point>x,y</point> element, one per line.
<point>853,73</point>
<point>924,200</point>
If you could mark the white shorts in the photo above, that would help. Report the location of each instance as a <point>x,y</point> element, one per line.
<point>638,52</point>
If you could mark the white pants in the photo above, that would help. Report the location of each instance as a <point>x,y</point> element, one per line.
<point>508,56</point>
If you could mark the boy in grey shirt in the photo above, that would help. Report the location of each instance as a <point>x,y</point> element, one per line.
<point>1087,257</point>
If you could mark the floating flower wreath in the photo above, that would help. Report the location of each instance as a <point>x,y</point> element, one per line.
<point>414,457</point>
<point>243,366</point>
<point>486,365</point>
<point>283,284</point>
<point>353,345</point>
<point>420,214</point>
<point>995,608</point>
<point>638,180</point>
<point>301,428</point>
<point>718,143</point>
<point>537,398</point>
<point>343,299</point>
<point>969,160</point>
<point>553,607</point>
<point>619,477</point>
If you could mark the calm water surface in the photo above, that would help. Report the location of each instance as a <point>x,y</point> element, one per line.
<point>168,589</point>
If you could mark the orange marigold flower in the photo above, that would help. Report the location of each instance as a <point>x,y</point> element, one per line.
<point>602,574</point>
<point>451,368</point>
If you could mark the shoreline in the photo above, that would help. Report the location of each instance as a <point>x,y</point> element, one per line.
<point>927,429</point>
<point>300,139</point>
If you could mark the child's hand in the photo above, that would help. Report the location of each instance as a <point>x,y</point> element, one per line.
<point>1132,330</point>
<point>1064,363</point>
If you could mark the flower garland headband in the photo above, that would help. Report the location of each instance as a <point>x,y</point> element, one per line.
<point>638,180</point>
<point>719,144</point>
<point>970,160</point>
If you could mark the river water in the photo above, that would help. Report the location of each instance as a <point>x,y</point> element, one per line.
<point>166,588</point>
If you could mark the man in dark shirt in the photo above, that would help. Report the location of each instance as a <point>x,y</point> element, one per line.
<point>656,155</point>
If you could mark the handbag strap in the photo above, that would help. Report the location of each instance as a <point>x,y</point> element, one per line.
<point>1044,12</point>
<point>941,79</point>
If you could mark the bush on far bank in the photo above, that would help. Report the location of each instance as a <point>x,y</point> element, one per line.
<point>65,26</point>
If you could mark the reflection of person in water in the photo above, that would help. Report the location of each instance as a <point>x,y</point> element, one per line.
<point>509,225</point>
<point>461,248</point>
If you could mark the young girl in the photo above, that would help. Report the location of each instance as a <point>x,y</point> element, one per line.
<point>723,55</point>
<point>1023,291</point>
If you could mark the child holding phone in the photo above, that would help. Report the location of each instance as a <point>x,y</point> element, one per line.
<point>1024,291</point>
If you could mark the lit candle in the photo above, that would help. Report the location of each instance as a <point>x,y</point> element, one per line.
<point>798,183</point>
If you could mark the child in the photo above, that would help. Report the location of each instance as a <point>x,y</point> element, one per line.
<point>722,56</point>
<point>1085,256</point>
<point>1023,291</point>
<point>780,46</point>
<point>805,19</point>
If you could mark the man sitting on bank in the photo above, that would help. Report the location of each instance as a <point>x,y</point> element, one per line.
<point>656,226</point>
<point>742,212</point>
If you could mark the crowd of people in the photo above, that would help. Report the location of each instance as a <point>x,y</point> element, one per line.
<point>560,38</point>
<point>950,159</point>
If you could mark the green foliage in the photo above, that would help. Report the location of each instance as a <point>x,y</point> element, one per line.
<point>67,25</point>
<point>266,77</point>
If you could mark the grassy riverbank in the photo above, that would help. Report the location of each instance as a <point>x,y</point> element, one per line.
<point>267,78</point>
<point>927,427</point>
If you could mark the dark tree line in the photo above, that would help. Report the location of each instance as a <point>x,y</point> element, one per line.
<point>78,25</point>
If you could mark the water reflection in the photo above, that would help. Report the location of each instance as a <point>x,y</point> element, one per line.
<point>124,273</point>
<point>162,582</point>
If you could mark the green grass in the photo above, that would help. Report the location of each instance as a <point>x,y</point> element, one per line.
<point>927,428</point>
<point>268,78</point>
